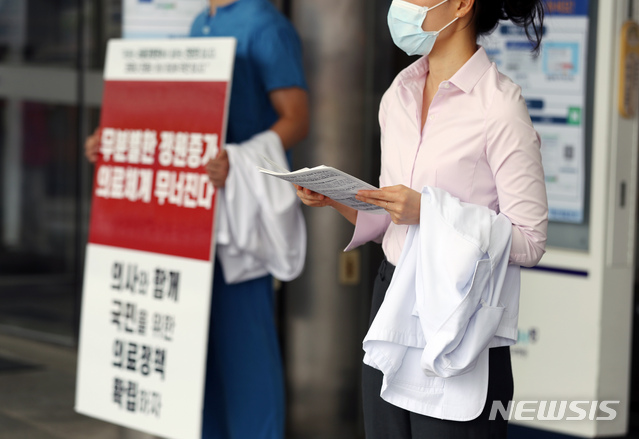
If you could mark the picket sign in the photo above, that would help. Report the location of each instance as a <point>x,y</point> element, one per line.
<point>148,267</point>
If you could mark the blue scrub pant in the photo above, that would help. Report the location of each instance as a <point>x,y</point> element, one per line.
<point>244,393</point>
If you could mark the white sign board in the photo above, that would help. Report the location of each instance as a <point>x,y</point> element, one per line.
<point>143,340</point>
<point>159,18</point>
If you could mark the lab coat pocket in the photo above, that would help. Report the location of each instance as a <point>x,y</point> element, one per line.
<point>449,287</point>
<point>463,357</point>
<point>479,334</point>
<point>452,342</point>
<point>476,292</point>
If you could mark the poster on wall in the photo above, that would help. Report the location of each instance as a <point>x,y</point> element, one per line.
<point>554,86</point>
<point>159,18</point>
<point>148,269</point>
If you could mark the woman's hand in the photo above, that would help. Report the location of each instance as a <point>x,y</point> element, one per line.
<point>218,169</point>
<point>312,199</point>
<point>403,203</point>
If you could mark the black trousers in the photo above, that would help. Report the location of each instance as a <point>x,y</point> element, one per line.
<point>386,421</point>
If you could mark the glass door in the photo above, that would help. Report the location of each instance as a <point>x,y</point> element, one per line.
<point>51,55</point>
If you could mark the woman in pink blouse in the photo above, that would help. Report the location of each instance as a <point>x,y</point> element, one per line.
<point>451,121</point>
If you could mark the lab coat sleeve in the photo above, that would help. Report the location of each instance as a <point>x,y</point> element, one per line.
<point>460,309</point>
<point>457,345</point>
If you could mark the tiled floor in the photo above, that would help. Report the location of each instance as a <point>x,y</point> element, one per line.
<point>37,402</point>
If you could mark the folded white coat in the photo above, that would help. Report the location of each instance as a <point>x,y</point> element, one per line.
<point>452,296</point>
<point>259,225</point>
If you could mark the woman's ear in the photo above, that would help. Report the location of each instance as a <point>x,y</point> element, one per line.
<point>464,7</point>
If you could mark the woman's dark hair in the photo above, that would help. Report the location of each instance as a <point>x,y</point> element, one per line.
<point>528,14</point>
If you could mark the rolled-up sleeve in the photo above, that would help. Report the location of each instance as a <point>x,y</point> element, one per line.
<point>514,155</point>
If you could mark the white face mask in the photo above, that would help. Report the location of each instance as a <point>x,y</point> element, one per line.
<point>405,23</point>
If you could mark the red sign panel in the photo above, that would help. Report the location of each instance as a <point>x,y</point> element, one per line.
<point>151,192</point>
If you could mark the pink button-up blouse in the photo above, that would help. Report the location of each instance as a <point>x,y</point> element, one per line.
<point>478,144</point>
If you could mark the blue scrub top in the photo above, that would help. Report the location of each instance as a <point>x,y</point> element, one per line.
<point>268,57</point>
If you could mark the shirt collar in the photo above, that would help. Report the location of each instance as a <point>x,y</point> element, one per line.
<point>465,78</point>
<point>415,71</point>
<point>470,73</point>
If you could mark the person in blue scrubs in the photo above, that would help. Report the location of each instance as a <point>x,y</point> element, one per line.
<point>244,395</point>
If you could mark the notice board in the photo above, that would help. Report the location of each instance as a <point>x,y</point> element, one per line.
<point>554,85</point>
